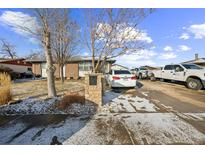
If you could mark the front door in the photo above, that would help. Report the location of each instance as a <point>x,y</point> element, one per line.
<point>43,69</point>
<point>168,71</point>
<point>178,73</point>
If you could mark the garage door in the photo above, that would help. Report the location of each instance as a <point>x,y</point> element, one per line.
<point>43,68</point>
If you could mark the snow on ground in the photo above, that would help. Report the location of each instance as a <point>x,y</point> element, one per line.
<point>145,93</point>
<point>23,130</point>
<point>137,128</point>
<point>127,103</point>
<point>34,106</point>
<point>196,116</point>
<point>123,119</point>
<point>129,119</point>
<point>28,106</point>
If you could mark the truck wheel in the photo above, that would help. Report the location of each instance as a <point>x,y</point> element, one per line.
<point>152,77</point>
<point>162,80</point>
<point>194,84</point>
<point>140,76</point>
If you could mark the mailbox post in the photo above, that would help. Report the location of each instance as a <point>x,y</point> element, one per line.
<point>94,88</point>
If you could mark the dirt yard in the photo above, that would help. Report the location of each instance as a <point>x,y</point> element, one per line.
<point>38,88</point>
<point>175,95</point>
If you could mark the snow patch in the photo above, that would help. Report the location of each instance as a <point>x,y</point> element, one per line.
<point>127,103</point>
<point>155,128</point>
<point>145,93</point>
<point>34,106</point>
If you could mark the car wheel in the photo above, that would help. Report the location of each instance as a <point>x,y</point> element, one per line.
<point>194,84</point>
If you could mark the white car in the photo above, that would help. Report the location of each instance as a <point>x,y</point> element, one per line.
<point>121,78</point>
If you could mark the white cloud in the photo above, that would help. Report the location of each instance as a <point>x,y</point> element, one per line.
<point>17,20</point>
<point>143,57</point>
<point>197,30</point>
<point>85,54</point>
<point>145,54</point>
<point>168,48</point>
<point>183,48</point>
<point>136,63</point>
<point>167,55</point>
<point>124,33</point>
<point>184,36</point>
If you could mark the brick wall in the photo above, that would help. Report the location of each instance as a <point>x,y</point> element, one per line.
<point>94,93</point>
<point>72,71</point>
<point>36,69</point>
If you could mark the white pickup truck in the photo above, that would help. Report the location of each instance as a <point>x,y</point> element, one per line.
<point>193,75</point>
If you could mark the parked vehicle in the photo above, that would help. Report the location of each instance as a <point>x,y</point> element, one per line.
<point>141,72</point>
<point>193,75</point>
<point>121,78</point>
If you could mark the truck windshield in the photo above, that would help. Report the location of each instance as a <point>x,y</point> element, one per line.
<point>192,66</point>
<point>143,68</point>
<point>122,72</point>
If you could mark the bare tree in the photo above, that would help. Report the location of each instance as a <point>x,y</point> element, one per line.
<point>111,33</point>
<point>65,39</point>
<point>44,17</point>
<point>41,30</point>
<point>35,55</point>
<point>7,49</point>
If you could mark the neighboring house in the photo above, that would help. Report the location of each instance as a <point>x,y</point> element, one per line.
<point>197,60</point>
<point>74,68</point>
<point>118,67</point>
<point>17,65</point>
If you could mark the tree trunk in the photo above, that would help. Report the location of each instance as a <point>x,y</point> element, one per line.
<point>93,53</point>
<point>50,67</point>
<point>61,73</point>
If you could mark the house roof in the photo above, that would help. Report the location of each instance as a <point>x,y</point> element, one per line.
<point>196,61</point>
<point>73,59</point>
<point>17,61</point>
<point>8,59</point>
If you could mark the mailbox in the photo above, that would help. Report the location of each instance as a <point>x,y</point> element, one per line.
<point>92,79</point>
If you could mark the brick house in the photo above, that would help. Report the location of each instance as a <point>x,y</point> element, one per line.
<point>19,65</point>
<point>74,68</point>
<point>197,60</point>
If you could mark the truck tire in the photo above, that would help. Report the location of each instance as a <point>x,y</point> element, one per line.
<point>152,77</point>
<point>194,84</point>
<point>140,76</point>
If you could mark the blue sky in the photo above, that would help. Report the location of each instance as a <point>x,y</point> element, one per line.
<point>177,35</point>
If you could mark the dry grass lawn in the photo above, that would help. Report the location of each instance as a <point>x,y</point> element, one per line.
<point>5,88</point>
<point>38,88</point>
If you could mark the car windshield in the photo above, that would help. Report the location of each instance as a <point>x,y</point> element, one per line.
<point>122,72</point>
<point>192,66</point>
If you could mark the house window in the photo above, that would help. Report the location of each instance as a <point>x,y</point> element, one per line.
<point>85,66</point>
<point>29,69</point>
<point>81,66</point>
